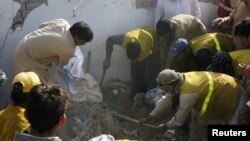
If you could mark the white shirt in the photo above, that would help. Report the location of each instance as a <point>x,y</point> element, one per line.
<point>170,8</point>
<point>37,51</point>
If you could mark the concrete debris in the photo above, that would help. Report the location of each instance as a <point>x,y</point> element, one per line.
<point>87,120</point>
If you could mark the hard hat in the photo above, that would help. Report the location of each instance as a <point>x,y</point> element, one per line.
<point>180,45</point>
<point>27,79</point>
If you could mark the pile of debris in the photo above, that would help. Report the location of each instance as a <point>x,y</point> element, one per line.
<point>117,115</point>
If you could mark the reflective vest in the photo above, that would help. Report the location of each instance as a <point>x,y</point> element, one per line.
<point>218,94</point>
<point>215,42</point>
<point>12,119</point>
<point>224,8</point>
<point>238,57</point>
<point>145,36</point>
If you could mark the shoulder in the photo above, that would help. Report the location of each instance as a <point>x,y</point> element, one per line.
<point>60,21</point>
<point>183,17</point>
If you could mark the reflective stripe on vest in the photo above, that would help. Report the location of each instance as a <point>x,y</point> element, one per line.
<point>217,44</point>
<point>149,34</point>
<point>209,94</point>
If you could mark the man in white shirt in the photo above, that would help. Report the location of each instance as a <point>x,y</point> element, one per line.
<point>170,8</point>
<point>54,41</point>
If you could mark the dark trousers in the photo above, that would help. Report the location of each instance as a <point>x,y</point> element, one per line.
<point>144,73</point>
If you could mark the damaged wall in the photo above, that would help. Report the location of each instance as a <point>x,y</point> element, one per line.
<point>26,6</point>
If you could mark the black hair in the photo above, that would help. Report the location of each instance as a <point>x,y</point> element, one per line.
<point>133,50</point>
<point>221,58</point>
<point>163,26</point>
<point>222,63</point>
<point>242,28</point>
<point>82,30</point>
<point>17,96</point>
<point>46,104</point>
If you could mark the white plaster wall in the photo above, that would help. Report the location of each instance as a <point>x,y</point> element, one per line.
<point>8,10</point>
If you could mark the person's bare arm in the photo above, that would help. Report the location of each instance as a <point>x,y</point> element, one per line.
<point>110,42</point>
<point>187,102</point>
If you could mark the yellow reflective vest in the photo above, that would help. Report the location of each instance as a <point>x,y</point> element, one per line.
<point>218,94</point>
<point>215,42</point>
<point>238,57</point>
<point>146,37</point>
<point>12,119</point>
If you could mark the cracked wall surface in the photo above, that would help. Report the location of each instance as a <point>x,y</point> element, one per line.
<point>26,7</point>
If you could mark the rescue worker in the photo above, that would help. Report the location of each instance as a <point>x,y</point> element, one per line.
<point>203,94</point>
<point>53,42</point>
<point>236,61</point>
<point>180,26</point>
<point>197,54</point>
<point>12,117</point>
<point>227,63</point>
<point>141,46</point>
<point>241,11</point>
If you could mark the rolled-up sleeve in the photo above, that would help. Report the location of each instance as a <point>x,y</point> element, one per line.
<point>164,104</point>
<point>187,102</point>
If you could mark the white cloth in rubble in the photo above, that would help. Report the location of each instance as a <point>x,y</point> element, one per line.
<point>152,96</point>
<point>81,86</point>
<point>103,137</point>
<point>74,67</point>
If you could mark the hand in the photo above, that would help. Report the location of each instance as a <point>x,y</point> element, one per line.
<point>145,120</point>
<point>106,63</point>
<point>222,22</point>
<point>241,68</point>
<point>244,115</point>
<point>162,128</point>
